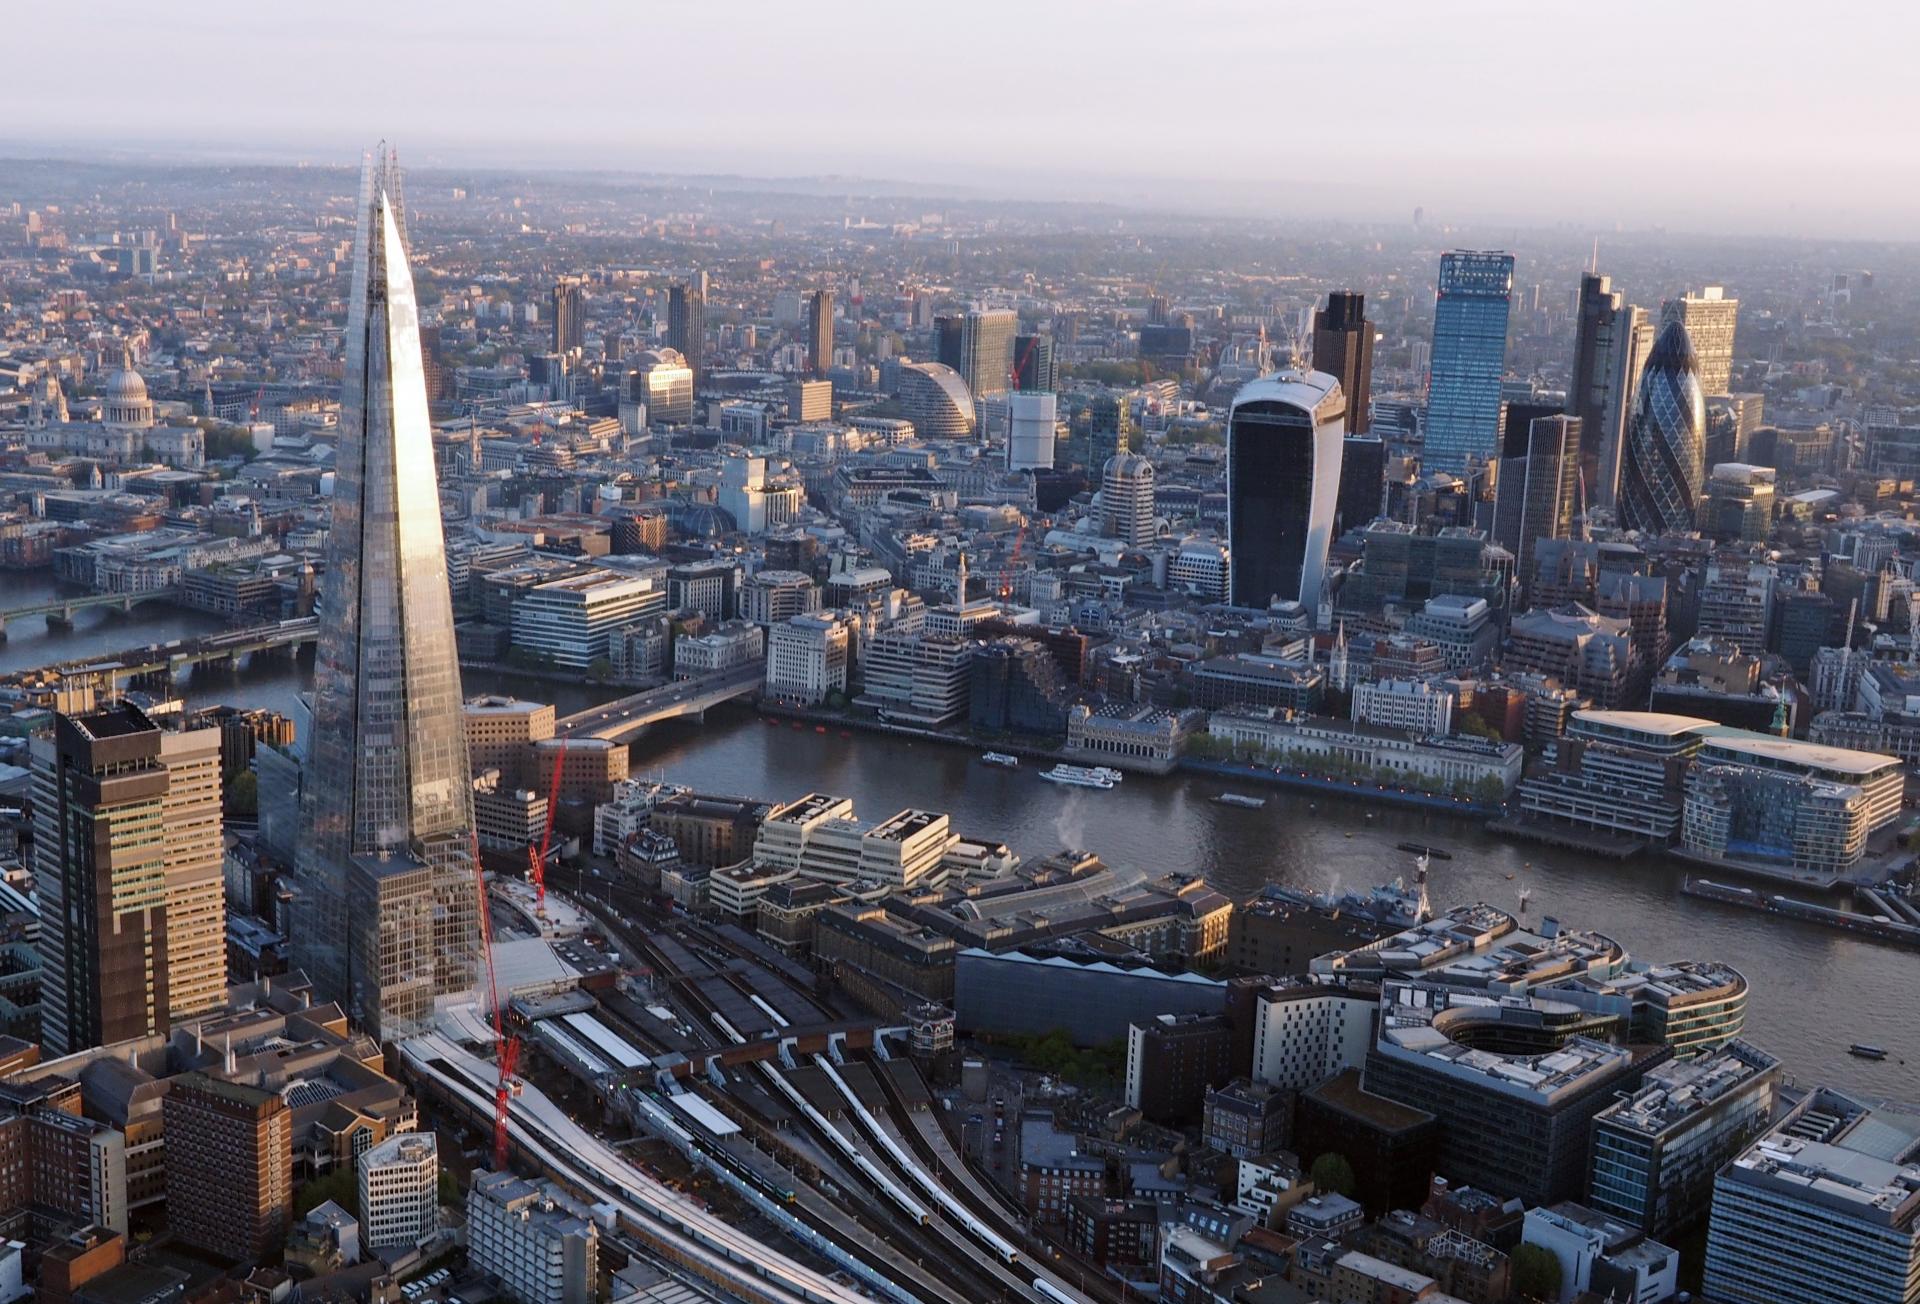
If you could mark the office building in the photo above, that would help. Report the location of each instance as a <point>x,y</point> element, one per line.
<point>936,400</point>
<point>1126,500</point>
<point>1284,436</point>
<point>1305,1033</point>
<point>1588,652</point>
<point>229,1167</point>
<point>810,400</point>
<point>1414,705</point>
<point>1538,488</point>
<point>807,658</point>
<point>1173,1061</point>
<point>1709,318</point>
<point>915,678</point>
<point>1343,349</point>
<point>569,314</point>
<point>1514,1121</point>
<point>537,1243</point>
<point>980,347</point>
<point>386,797</point>
<point>1663,469</point>
<point>1636,332</point>
<point>1656,1151</point>
<point>1363,482</point>
<point>1245,1119</point>
<point>1469,360</point>
<point>1601,1257</point>
<point>1601,332</point>
<point>1033,365</point>
<point>1032,422</point>
<point>128,876</point>
<point>399,1183</point>
<point>1738,504</point>
<point>1109,430</point>
<point>660,382</point>
<point>1016,686</point>
<point>819,332</point>
<point>569,622</point>
<point>1822,1209</point>
<point>687,324</point>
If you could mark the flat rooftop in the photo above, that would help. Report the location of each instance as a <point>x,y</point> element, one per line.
<point>1678,1089</point>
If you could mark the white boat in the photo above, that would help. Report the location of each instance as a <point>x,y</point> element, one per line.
<point>1001,759</point>
<point>1110,774</point>
<point>1241,800</point>
<point>1078,776</point>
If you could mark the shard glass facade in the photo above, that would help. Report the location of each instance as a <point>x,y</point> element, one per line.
<point>1664,466</point>
<point>387,909</point>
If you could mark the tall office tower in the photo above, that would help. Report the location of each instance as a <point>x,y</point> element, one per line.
<point>1539,483</point>
<point>1710,317</point>
<point>569,320</point>
<point>1033,367</point>
<point>1469,357</point>
<point>1363,482</point>
<point>195,863</point>
<point>1126,500</point>
<point>1731,421</point>
<point>385,918</point>
<point>1661,474</point>
<point>1601,314</point>
<point>127,871</point>
<point>1284,437</point>
<point>819,332</point>
<point>687,323</point>
<point>1343,348</point>
<point>229,1166</point>
<point>1633,336</point>
<point>1109,431</point>
<point>980,346</point>
<point>1032,419</point>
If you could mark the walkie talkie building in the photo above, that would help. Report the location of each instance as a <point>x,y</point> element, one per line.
<point>387,911</point>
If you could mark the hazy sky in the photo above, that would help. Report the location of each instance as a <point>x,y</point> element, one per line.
<point>1691,114</point>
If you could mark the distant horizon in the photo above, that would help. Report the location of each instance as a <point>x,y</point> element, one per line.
<point>1110,193</point>
<point>1717,117</point>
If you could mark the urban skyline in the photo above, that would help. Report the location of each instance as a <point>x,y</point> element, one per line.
<point>608,737</point>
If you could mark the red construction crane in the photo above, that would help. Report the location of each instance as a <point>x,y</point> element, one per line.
<point>537,857</point>
<point>508,1048</point>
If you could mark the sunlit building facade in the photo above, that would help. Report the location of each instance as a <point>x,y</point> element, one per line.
<point>1662,473</point>
<point>1469,358</point>
<point>386,908</point>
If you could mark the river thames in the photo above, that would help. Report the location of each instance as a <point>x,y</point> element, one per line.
<point>1814,991</point>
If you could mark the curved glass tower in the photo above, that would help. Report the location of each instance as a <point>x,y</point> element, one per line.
<point>386,917</point>
<point>1284,437</point>
<point>1662,472</point>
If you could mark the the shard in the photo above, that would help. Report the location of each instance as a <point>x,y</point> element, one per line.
<point>386,917</point>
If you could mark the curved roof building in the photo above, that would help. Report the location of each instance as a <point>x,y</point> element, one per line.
<point>126,402</point>
<point>1126,499</point>
<point>936,400</point>
<point>1284,437</point>
<point>1664,467</point>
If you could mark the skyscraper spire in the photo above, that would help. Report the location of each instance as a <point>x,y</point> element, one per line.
<point>387,909</point>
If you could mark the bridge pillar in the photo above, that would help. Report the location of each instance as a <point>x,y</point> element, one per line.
<point>836,1042</point>
<point>786,1053</point>
<point>126,605</point>
<point>3,629</point>
<point>61,619</point>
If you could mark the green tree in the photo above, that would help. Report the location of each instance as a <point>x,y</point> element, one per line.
<point>1536,1273</point>
<point>1332,1172</point>
<point>338,1186</point>
<point>599,668</point>
<point>243,794</point>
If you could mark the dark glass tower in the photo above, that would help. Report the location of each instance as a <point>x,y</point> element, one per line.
<point>687,324</point>
<point>1469,358</point>
<point>1033,363</point>
<point>1343,348</point>
<point>386,912</point>
<point>820,332</point>
<point>1284,438</point>
<point>1661,474</point>
<point>569,323</point>
<point>1597,339</point>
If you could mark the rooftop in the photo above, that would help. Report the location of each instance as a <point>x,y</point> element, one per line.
<point>1679,1089</point>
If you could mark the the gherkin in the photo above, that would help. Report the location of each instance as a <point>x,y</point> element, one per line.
<point>386,917</point>
<point>1663,470</point>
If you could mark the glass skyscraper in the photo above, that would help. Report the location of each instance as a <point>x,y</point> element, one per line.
<point>1284,446</point>
<point>1469,357</point>
<point>386,913</point>
<point>1662,472</point>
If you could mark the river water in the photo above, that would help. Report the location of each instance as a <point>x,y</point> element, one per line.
<point>1813,991</point>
